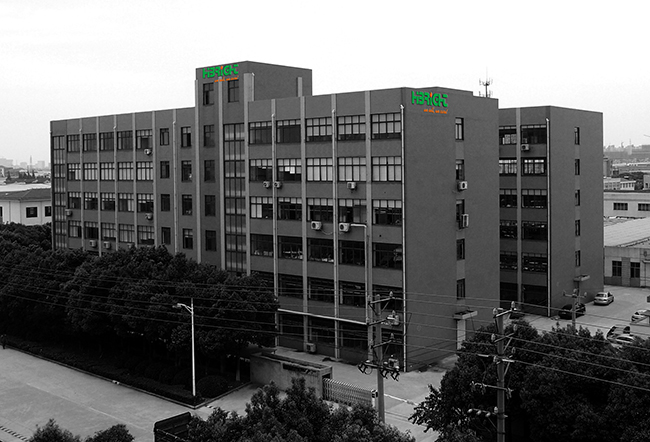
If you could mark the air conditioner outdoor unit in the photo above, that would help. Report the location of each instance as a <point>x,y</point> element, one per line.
<point>68,212</point>
<point>462,185</point>
<point>267,184</point>
<point>316,225</point>
<point>277,184</point>
<point>464,221</point>
<point>311,347</point>
<point>107,245</point>
<point>344,227</point>
<point>93,243</point>
<point>352,185</point>
<point>525,147</point>
<point>147,151</point>
<point>131,245</point>
<point>149,216</point>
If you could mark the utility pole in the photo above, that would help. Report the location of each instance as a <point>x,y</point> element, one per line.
<point>576,297</point>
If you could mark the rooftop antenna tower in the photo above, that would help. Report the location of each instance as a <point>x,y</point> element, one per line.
<point>488,81</point>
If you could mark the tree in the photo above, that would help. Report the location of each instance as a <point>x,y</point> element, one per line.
<point>116,433</point>
<point>51,432</point>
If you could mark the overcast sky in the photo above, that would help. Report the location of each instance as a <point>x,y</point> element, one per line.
<point>76,58</point>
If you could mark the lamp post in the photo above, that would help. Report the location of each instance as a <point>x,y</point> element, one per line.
<point>190,309</point>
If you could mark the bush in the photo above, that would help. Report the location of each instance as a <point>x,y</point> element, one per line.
<point>141,368</point>
<point>183,377</point>
<point>117,433</point>
<point>153,370</point>
<point>167,374</point>
<point>131,362</point>
<point>212,386</point>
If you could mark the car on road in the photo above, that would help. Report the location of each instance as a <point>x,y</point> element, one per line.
<point>616,331</point>
<point>640,315</point>
<point>624,339</point>
<point>603,298</point>
<point>565,311</point>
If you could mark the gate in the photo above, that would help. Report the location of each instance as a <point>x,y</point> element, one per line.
<point>347,394</point>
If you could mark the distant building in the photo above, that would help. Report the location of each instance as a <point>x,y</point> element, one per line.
<point>627,253</point>
<point>29,206</point>
<point>625,204</point>
<point>618,184</point>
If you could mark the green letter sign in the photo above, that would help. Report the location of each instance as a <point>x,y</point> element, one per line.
<point>428,98</point>
<point>219,71</point>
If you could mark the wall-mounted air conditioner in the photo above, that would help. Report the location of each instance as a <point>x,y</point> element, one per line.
<point>352,185</point>
<point>464,221</point>
<point>525,147</point>
<point>149,216</point>
<point>310,347</point>
<point>148,151</point>
<point>68,212</point>
<point>344,227</point>
<point>107,245</point>
<point>93,243</point>
<point>267,184</point>
<point>462,185</point>
<point>316,225</point>
<point>277,184</point>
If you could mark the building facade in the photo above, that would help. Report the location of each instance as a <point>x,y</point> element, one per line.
<point>626,204</point>
<point>551,205</point>
<point>29,207</point>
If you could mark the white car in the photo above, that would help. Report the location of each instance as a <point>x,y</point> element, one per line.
<point>603,298</point>
<point>625,339</point>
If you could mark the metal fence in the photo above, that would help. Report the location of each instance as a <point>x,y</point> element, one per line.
<point>347,394</point>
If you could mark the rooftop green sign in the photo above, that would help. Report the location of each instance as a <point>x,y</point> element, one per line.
<point>428,98</point>
<point>219,71</point>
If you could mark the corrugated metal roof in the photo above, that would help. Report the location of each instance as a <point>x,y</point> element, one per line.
<point>27,195</point>
<point>626,234</point>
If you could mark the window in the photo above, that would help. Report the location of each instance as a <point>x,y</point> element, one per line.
<point>643,207</point>
<point>125,171</point>
<point>188,239</point>
<point>321,289</point>
<point>126,232</point>
<point>387,255</point>
<point>208,93</point>
<point>108,232</point>
<point>460,170</point>
<point>186,171</point>
<point>74,172</point>
<point>533,198</point>
<point>164,169</point>
<point>620,206</point>
<point>319,129</point>
<point>233,91</point>
<point>290,285</point>
<point>106,141</point>
<point>387,212</point>
<point>290,247</point>
<point>508,229</point>
<point>90,171</point>
<point>577,167</point>
<point>507,166</point>
<point>507,135</point>
<point>143,139</point>
<point>74,229</point>
<point>507,197</point>
<point>262,245</point>
<point>211,240</point>
<point>352,211</point>
<point>106,171</point>
<point>144,171</point>
<point>351,127</point>
<point>209,172</point>
<point>108,201</point>
<point>186,204</point>
<point>125,202</point>
<point>534,230</point>
<point>210,205</point>
<point>260,132</point>
<point>576,135</point>
<point>261,170</point>
<point>394,293</point>
<point>89,142</point>
<point>57,142</point>
<point>352,293</point>
<point>164,136</point>
<point>145,203</point>
<point>617,268</point>
<point>460,249</point>
<point>289,169</point>
<point>146,235</point>
<point>287,131</point>
<point>576,197</point>
<point>533,133</point>
<point>534,262</point>
<point>48,211</point>
<point>387,168</point>
<point>262,207</point>
<point>320,209</point>
<point>508,261</point>
<point>352,169</point>
<point>352,253</point>
<point>74,200</point>
<point>385,126</point>
<point>125,140</point>
<point>460,211</point>
<point>320,169</point>
<point>90,201</point>
<point>460,289</point>
<point>165,235</point>
<point>31,212</point>
<point>577,258</point>
<point>72,143</point>
<point>320,249</point>
<point>290,208</point>
<point>577,227</point>
<point>460,129</point>
<point>186,136</point>
<point>208,136</point>
<point>635,270</point>
<point>165,202</point>
<point>533,166</point>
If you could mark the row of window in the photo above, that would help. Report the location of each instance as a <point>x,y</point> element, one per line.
<point>530,198</point>
<point>530,134</point>
<point>106,171</point>
<point>232,91</point>
<point>530,262</point>
<point>120,140</point>
<point>529,166</point>
<point>32,212</point>
<point>617,269</point>
<point>533,230</point>
<point>641,207</point>
<point>107,201</point>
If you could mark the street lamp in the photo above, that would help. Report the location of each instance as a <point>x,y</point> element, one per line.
<point>190,309</point>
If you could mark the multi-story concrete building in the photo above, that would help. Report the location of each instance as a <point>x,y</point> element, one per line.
<point>335,199</point>
<point>551,202</point>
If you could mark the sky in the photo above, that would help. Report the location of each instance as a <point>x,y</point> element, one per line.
<point>80,58</point>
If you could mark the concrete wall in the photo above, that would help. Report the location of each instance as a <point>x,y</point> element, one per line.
<point>279,369</point>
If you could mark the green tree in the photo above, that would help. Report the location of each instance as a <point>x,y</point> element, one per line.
<point>51,432</point>
<point>116,433</point>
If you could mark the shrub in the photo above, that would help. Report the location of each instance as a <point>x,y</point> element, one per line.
<point>167,374</point>
<point>212,386</point>
<point>117,433</point>
<point>183,377</point>
<point>141,368</point>
<point>153,370</point>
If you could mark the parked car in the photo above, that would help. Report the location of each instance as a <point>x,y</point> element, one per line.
<point>616,331</point>
<point>625,339</point>
<point>603,298</point>
<point>565,311</point>
<point>640,315</point>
